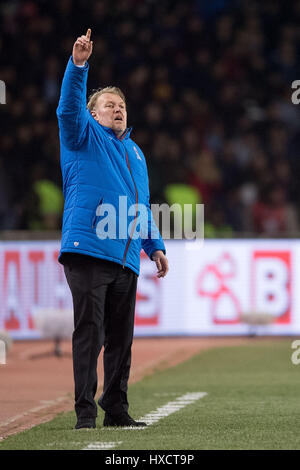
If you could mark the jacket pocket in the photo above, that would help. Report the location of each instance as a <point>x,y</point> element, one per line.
<point>96,216</point>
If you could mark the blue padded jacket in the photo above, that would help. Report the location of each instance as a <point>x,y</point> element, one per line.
<point>98,168</point>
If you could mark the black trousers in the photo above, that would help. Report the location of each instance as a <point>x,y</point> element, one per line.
<point>104,295</point>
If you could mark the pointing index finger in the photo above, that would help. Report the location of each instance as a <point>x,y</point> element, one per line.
<point>88,34</point>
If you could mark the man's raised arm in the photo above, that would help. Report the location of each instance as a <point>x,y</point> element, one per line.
<point>71,112</point>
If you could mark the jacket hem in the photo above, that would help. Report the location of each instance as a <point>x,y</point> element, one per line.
<point>94,255</point>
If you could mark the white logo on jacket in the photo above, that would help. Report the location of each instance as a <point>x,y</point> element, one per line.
<point>137,153</point>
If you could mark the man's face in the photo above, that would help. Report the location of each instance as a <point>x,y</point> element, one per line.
<point>110,111</point>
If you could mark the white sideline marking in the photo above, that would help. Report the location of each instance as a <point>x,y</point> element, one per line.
<point>166,410</point>
<point>102,445</point>
<point>170,408</point>
<point>151,418</point>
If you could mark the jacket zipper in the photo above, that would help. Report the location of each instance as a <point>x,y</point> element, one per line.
<point>95,216</point>
<point>136,202</point>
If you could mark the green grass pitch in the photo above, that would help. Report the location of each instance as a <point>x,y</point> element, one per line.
<point>252,402</point>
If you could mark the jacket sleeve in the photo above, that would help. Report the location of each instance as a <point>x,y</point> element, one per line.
<point>71,112</point>
<point>153,241</point>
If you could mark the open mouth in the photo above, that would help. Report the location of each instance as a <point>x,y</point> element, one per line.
<point>118,118</point>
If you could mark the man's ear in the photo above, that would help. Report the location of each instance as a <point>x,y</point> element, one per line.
<point>94,114</point>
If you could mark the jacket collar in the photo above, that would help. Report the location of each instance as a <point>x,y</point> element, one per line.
<point>124,136</point>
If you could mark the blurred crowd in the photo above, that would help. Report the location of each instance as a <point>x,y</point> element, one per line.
<point>208,86</point>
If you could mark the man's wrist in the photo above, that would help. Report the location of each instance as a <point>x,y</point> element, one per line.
<point>156,251</point>
<point>78,64</point>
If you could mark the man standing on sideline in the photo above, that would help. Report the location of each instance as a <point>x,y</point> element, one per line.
<point>100,163</point>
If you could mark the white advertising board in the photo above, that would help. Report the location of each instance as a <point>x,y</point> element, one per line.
<point>219,287</point>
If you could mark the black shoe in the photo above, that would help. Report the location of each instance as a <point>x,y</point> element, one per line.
<point>86,423</point>
<point>122,419</point>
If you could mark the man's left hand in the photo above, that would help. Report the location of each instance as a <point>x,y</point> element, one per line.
<point>161,263</point>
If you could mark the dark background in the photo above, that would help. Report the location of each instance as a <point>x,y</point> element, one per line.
<point>208,86</point>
